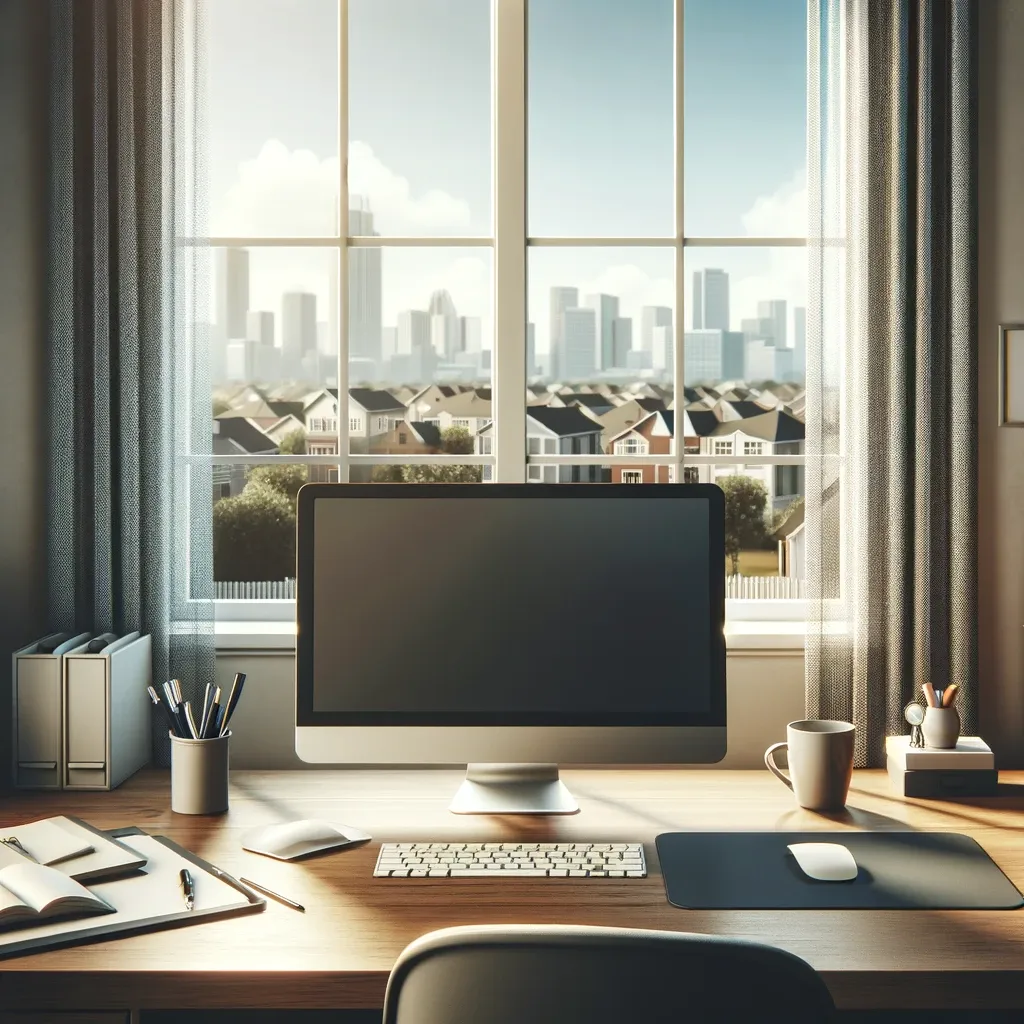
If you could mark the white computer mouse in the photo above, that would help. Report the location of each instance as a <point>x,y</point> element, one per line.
<point>290,839</point>
<point>825,862</point>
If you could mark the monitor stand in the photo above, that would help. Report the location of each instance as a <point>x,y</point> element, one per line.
<point>513,789</point>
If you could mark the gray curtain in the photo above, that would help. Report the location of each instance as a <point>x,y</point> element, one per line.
<point>892,378</point>
<point>129,505</point>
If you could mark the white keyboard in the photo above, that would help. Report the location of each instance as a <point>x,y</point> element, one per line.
<point>509,860</point>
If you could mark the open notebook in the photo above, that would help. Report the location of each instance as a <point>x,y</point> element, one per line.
<point>35,892</point>
<point>145,900</point>
<point>70,845</point>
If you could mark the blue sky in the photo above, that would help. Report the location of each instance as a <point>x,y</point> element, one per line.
<point>600,135</point>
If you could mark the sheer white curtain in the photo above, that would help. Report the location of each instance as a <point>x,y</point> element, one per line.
<point>891,449</point>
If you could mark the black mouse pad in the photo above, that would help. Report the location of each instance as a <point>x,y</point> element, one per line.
<point>896,871</point>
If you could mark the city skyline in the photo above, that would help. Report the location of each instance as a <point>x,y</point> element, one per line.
<point>592,340</point>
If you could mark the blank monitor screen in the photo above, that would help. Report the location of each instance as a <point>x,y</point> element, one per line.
<point>603,609</point>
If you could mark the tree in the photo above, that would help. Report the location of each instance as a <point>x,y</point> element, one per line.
<point>254,535</point>
<point>745,526</point>
<point>454,441</point>
<point>293,443</point>
<point>285,480</point>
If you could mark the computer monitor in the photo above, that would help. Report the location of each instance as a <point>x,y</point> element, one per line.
<point>511,628</point>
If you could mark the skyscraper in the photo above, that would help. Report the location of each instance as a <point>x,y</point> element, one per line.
<point>799,342</point>
<point>702,357</point>
<point>772,312</point>
<point>471,331</point>
<point>606,310</point>
<point>414,360</point>
<point>561,300</point>
<point>444,329</point>
<point>232,301</point>
<point>298,330</point>
<point>364,292</point>
<point>651,317</point>
<point>259,327</point>
<point>663,351</point>
<point>710,300</point>
<point>578,336</point>
<point>622,341</point>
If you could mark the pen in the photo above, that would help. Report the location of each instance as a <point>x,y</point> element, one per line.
<point>949,695</point>
<point>190,718</point>
<point>178,713</point>
<point>187,888</point>
<point>204,717</point>
<point>213,716</point>
<point>233,694</point>
<point>15,843</point>
<point>172,722</point>
<point>929,695</point>
<point>273,895</point>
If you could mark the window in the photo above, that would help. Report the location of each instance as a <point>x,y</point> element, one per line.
<point>676,260</point>
<point>632,445</point>
<point>691,475</point>
<point>401,437</point>
<point>632,476</point>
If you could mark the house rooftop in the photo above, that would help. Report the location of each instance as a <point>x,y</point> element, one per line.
<point>563,422</point>
<point>375,401</point>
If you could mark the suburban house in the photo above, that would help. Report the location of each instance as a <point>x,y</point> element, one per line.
<point>791,538</point>
<point>650,436</point>
<point>618,418</point>
<point>372,414</point>
<point>771,433</point>
<point>423,401</point>
<point>236,435</point>
<point>470,410</point>
<point>553,432</point>
<point>407,438</point>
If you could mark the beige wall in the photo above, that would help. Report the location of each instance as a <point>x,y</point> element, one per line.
<point>1000,299</point>
<point>766,690</point>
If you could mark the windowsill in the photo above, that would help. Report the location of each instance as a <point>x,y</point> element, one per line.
<point>280,636</point>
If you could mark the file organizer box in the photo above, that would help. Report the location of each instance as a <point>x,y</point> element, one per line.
<point>38,715</point>
<point>107,730</point>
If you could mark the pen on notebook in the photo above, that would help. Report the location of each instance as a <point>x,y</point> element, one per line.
<point>187,887</point>
<point>273,895</point>
<point>15,843</point>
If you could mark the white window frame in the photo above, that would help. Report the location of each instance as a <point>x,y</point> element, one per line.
<point>722,448</point>
<point>634,445</point>
<point>510,245</point>
<point>632,476</point>
<point>753,447</point>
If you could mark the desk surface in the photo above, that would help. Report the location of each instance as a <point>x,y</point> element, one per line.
<point>339,952</point>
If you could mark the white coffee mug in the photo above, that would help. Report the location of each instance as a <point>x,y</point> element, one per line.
<point>820,762</point>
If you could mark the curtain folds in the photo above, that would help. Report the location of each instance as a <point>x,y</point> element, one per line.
<point>129,518</point>
<point>892,363</point>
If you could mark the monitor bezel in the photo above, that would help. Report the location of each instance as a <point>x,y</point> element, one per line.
<point>309,494</point>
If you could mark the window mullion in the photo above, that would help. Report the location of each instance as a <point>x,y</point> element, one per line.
<point>342,227</point>
<point>509,366</point>
<point>679,333</point>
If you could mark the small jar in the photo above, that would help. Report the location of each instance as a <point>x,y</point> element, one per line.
<point>941,727</point>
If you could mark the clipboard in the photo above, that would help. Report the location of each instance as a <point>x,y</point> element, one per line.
<point>154,891</point>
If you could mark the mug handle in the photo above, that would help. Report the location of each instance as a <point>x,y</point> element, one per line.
<point>769,762</point>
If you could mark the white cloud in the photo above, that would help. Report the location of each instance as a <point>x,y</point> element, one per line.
<point>294,192</point>
<point>783,213</point>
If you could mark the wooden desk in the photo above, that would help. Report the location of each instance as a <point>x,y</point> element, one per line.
<point>339,952</point>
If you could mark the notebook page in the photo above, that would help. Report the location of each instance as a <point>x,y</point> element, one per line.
<point>38,886</point>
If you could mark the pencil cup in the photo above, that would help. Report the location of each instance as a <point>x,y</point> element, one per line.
<point>199,775</point>
<point>941,727</point>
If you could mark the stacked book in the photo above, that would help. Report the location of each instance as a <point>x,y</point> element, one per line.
<point>968,769</point>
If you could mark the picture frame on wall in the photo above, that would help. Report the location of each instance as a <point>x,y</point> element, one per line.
<point>1011,375</point>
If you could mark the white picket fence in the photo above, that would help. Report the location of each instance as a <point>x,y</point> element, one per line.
<point>255,590</point>
<point>764,588</point>
<point>748,588</point>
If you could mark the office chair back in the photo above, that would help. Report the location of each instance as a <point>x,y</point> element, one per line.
<point>548,974</point>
